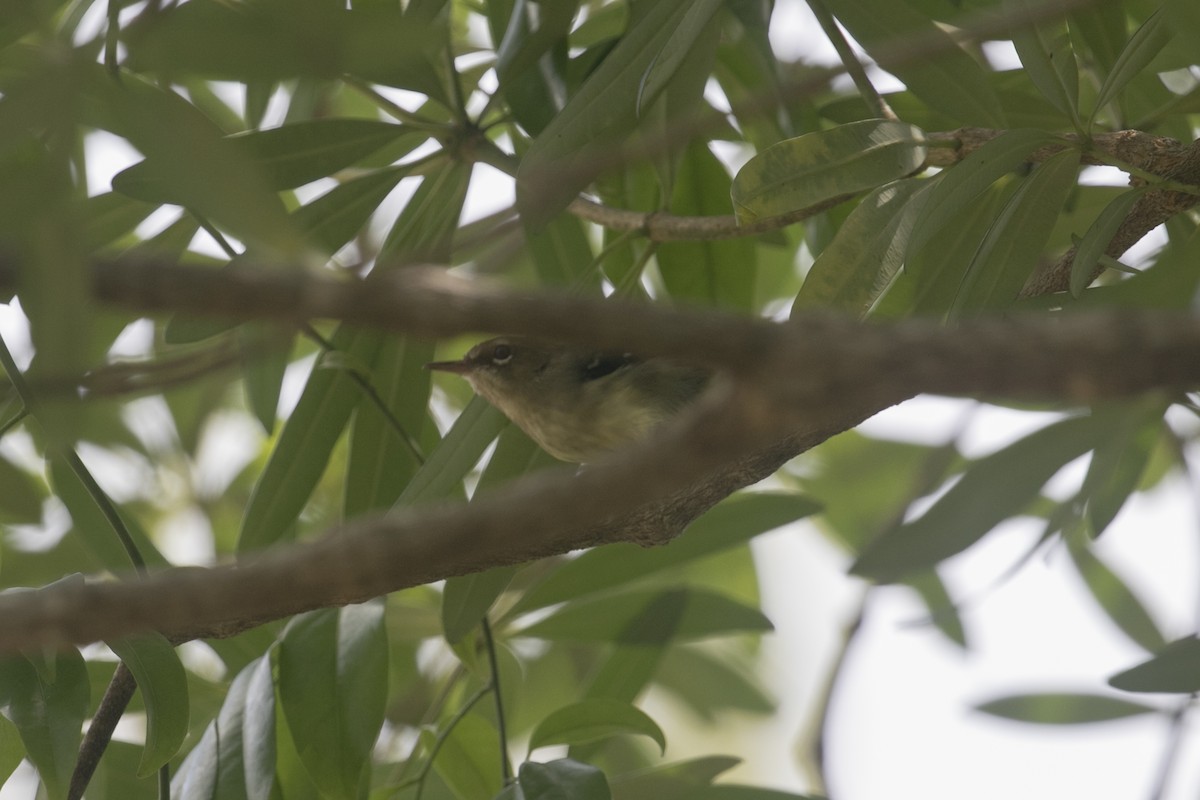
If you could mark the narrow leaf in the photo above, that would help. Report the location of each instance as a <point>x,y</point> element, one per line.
<point>467,598</point>
<point>303,447</point>
<point>563,779</point>
<point>1175,669</point>
<point>729,524</point>
<point>333,691</point>
<point>1009,252</point>
<point>1115,597</point>
<point>570,152</point>
<point>1145,44</point>
<point>163,685</point>
<point>866,253</point>
<point>460,449</point>
<point>1094,244</point>
<point>300,152</point>
<point>957,186</point>
<point>46,700</point>
<point>1045,52</point>
<point>607,618</point>
<point>990,491</point>
<point>593,720</point>
<point>950,82</point>
<point>467,761</point>
<point>801,172</point>
<point>1063,708</point>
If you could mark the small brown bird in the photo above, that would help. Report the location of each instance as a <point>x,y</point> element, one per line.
<point>577,404</point>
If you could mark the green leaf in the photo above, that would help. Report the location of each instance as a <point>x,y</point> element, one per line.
<point>942,611</point>
<point>266,350</point>
<point>1045,52</point>
<point>950,82</point>
<point>1175,669</point>
<point>47,701</point>
<point>466,599</point>
<point>12,751</point>
<point>729,791</point>
<point>718,272</point>
<point>1115,597</point>
<point>593,720</point>
<point>303,446</point>
<point>258,730</point>
<point>866,253</point>
<point>1116,468</point>
<point>334,218</point>
<point>563,779</point>
<point>991,490</point>
<point>608,618</point>
<point>710,683</point>
<point>1009,252</point>
<point>189,163</point>
<point>300,152</point>
<point>91,524</point>
<point>1063,708</point>
<point>1146,43</point>
<point>20,495</point>
<point>638,650</point>
<point>734,521</point>
<point>562,254</point>
<point>1095,242</point>
<point>801,172</point>
<point>958,185</point>
<point>110,216</point>
<point>467,761</point>
<point>387,444</point>
<point>163,686</point>
<point>678,781</point>
<point>279,40</point>
<point>424,231</point>
<point>576,144</point>
<point>215,767</point>
<point>460,449</point>
<point>333,668</point>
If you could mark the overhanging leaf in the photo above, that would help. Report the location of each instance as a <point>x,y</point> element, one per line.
<point>163,685</point>
<point>563,779</point>
<point>729,524</point>
<point>1095,242</point>
<point>957,186</point>
<point>303,447</point>
<point>570,152</point>
<point>1009,252</point>
<point>801,172</point>
<point>866,253</point>
<point>1175,669</point>
<point>705,614</point>
<point>593,720</point>
<point>990,491</point>
<point>1063,708</point>
<point>333,690</point>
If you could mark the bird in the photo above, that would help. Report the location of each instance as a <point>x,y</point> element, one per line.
<point>576,403</point>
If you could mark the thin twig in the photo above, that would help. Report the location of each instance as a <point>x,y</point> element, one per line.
<point>501,725</point>
<point>414,447</point>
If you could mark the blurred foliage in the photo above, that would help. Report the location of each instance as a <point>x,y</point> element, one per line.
<point>347,136</point>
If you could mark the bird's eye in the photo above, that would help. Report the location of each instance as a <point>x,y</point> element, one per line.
<point>501,354</point>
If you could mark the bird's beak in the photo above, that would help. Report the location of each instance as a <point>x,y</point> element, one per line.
<point>458,367</point>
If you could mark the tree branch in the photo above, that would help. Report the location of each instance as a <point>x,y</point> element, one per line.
<point>789,387</point>
<point>1157,155</point>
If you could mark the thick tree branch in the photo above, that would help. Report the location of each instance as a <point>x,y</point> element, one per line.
<point>790,386</point>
